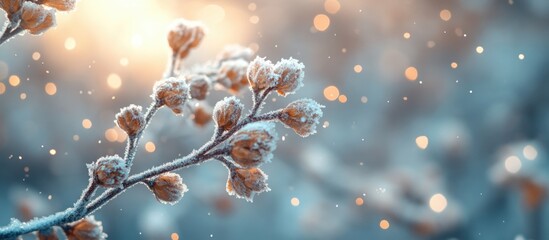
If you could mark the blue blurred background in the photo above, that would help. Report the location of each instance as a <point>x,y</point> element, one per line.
<point>436,122</point>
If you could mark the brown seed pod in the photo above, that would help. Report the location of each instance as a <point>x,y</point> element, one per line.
<point>171,92</point>
<point>86,229</point>
<point>245,183</point>
<point>253,144</point>
<point>110,171</point>
<point>130,119</point>
<point>227,112</point>
<point>168,188</point>
<point>302,116</point>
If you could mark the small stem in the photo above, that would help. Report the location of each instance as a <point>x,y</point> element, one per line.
<point>133,141</point>
<point>8,33</point>
<point>259,100</point>
<point>172,66</point>
<point>230,165</point>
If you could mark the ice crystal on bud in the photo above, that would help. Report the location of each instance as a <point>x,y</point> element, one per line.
<point>130,119</point>
<point>110,171</point>
<point>11,6</point>
<point>261,74</point>
<point>185,35</point>
<point>245,183</point>
<point>171,92</point>
<point>302,116</point>
<point>86,229</point>
<point>168,188</point>
<point>61,5</point>
<point>32,15</point>
<point>232,75</point>
<point>254,144</point>
<point>199,86</point>
<point>291,76</point>
<point>234,52</point>
<point>227,112</point>
<point>202,115</point>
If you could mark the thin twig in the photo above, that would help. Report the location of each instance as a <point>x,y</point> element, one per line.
<point>9,34</point>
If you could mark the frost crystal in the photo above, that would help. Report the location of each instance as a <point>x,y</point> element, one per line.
<point>261,74</point>
<point>254,144</point>
<point>291,76</point>
<point>168,188</point>
<point>111,171</point>
<point>227,112</point>
<point>172,92</point>
<point>302,116</point>
<point>232,75</point>
<point>245,183</point>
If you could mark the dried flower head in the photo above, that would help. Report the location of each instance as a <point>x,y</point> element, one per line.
<point>232,75</point>
<point>227,112</point>
<point>130,119</point>
<point>202,115</point>
<point>171,92</point>
<point>11,6</point>
<point>61,5</point>
<point>245,183</point>
<point>234,52</point>
<point>261,74</point>
<point>168,188</point>
<point>254,144</point>
<point>185,35</point>
<point>302,116</point>
<point>86,229</point>
<point>32,15</point>
<point>110,171</point>
<point>291,76</point>
<point>199,86</point>
<point>49,22</point>
<point>47,234</point>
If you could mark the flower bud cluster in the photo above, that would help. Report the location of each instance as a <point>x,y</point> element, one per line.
<point>35,16</point>
<point>232,75</point>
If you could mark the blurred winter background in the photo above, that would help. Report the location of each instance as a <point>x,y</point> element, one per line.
<point>436,122</point>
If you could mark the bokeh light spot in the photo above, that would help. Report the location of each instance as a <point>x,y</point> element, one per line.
<point>86,123</point>
<point>384,224</point>
<point>321,22</point>
<point>331,93</point>
<point>411,73</point>
<point>50,88</point>
<point>512,164</point>
<point>438,203</point>
<point>422,142</point>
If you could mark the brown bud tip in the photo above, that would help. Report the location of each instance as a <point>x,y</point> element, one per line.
<point>199,86</point>
<point>227,112</point>
<point>110,171</point>
<point>302,116</point>
<point>261,74</point>
<point>130,119</point>
<point>86,229</point>
<point>291,76</point>
<point>168,188</point>
<point>202,115</point>
<point>49,22</point>
<point>47,234</point>
<point>171,92</point>
<point>11,6</point>
<point>61,5</point>
<point>245,183</point>
<point>185,35</point>
<point>254,144</point>
<point>232,75</point>
<point>234,52</point>
<point>32,15</point>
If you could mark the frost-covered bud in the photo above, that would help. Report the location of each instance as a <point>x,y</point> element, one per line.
<point>11,6</point>
<point>202,115</point>
<point>185,35</point>
<point>61,5</point>
<point>199,86</point>
<point>233,52</point>
<point>130,119</point>
<point>291,76</point>
<point>110,171</point>
<point>32,15</point>
<point>47,234</point>
<point>171,92</point>
<point>86,229</point>
<point>49,22</point>
<point>227,112</point>
<point>245,183</point>
<point>254,144</point>
<point>261,74</point>
<point>232,75</point>
<point>168,188</point>
<point>302,116</point>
